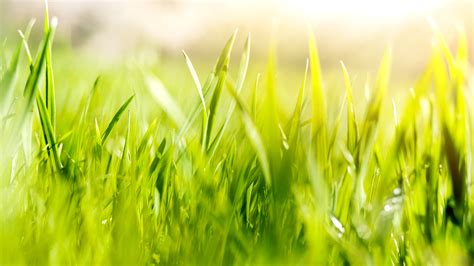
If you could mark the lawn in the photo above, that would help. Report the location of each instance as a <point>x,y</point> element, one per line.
<point>131,164</point>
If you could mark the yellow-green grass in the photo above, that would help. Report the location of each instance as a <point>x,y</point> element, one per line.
<point>132,166</point>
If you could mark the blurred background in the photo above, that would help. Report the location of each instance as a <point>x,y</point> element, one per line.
<point>354,31</point>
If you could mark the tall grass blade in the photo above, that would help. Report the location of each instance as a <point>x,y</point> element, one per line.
<point>296,118</point>
<point>33,79</point>
<point>196,82</point>
<point>50,90</point>
<point>166,102</point>
<point>269,110</point>
<point>9,78</point>
<point>220,71</point>
<point>114,120</point>
<point>48,132</point>
<point>352,130</point>
<point>318,99</point>
<point>254,137</point>
<point>244,63</point>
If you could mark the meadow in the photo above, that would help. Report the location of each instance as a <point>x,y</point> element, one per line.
<point>223,171</point>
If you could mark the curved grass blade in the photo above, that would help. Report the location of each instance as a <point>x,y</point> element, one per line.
<point>145,138</point>
<point>45,117</point>
<point>187,126</point>
<point>365,146</point>
<point>48,132</point>
<point>50,90</point>
<point>269,113</point>
<point>114,120</point>
<point>296,119</point>
<point>121,169</point>
<point>318,98</point>
<point>282,182</point>
<point>220,71</point>
<point>254,97</point>
<point>9,78</point>
<point>375,103</point>
<point>223,60</point>
<point>192,70</point>
<point>352,130</point>
<point>244,63</point>
<point>33,79</point>
<point>166,102</point>
<point>254,137</point>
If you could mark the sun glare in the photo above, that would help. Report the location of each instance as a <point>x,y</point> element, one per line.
<point>369,9</point>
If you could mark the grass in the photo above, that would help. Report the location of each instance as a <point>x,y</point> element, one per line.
<point>221,174</point>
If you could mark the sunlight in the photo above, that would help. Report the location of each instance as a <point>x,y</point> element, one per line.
<point>369,9</point>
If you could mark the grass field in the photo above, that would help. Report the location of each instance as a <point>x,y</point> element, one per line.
<point>117,168</point>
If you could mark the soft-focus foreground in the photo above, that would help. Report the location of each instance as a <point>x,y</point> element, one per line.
<point>128,171</point>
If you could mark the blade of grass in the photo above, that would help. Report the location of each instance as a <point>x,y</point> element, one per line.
<point>254,97</point>
<point>318,98</point>
<point>244,63</point>
<point>146,138</point>
<point>220,71</point>
<point>125,148</point>
<point>33,79</point>
<point>254,137</point>
<point>296,118</point>
<point>48,132</point>
<point>196,82</point>
<point>365,147</point>
<point>114,120</point>
<point>50,90</point>
<point>269,124</point>
<point>166,102</point>
<point>352,130</point>
<point>9,78</point>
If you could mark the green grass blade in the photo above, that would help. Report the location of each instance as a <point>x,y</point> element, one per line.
<point>33,79</point>
<point>48,131</point>
<point>166,102</point>
<point>296,118</point>
<point>244,63</point>
<point>352,130</point>
<point>254,97</point>
<point>365,146</point>
<point>24,37</point>
<point>114,120</point>
<point>9,78</point>
<point>45,117</point>
<point>254,137</point>
<point>146,138</point>
<point>224,58</point>
<point>50,90</point>
<point>220,71</point>
<point>318,98</point>
<point>196,82</point>
<point>375,104</point>
<point>121,169</point>
<point>269,110</point>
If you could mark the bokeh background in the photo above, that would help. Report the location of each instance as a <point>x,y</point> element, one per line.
<point>356,32</point>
